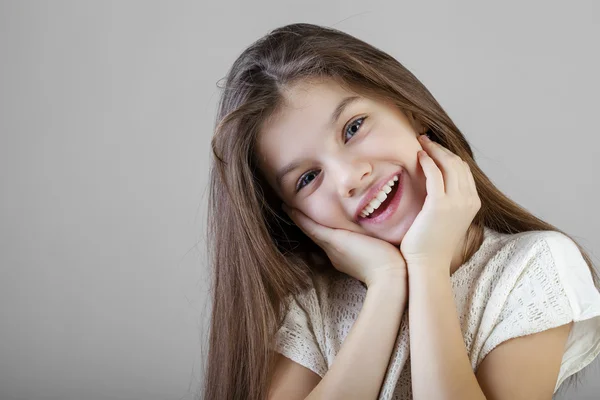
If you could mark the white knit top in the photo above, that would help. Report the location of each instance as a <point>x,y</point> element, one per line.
<point>514,285</point>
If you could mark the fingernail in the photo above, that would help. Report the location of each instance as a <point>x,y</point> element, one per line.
<point>425,138</point>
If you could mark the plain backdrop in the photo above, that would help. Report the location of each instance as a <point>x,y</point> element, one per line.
<point>106,114</point>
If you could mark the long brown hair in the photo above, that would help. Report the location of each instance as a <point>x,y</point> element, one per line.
<point>258,258</point>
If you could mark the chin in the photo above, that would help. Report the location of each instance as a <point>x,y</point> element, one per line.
<point>395,237</point>
<point>397,233</point>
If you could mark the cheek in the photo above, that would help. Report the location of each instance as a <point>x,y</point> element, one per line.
<point>404,152</point>
<point>325,212</point>
<point>389,142</point>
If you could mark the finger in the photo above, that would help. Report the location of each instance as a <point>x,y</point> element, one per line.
<point>428,142</point>
<point>447,162</point>
<point>434,178</point>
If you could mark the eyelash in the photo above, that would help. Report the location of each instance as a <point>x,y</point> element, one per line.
<point>361,119</point>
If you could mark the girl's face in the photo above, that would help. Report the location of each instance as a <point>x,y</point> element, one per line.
<point>331,170</point>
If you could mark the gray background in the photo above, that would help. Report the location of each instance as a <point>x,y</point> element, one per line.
<point>106,115</point>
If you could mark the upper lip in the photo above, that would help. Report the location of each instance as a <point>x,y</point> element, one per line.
<point>370,195</point>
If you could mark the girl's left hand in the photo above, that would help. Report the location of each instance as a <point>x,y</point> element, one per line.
<point>450,206</point>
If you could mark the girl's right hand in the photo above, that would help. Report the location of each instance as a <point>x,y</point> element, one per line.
<point>363,257</point>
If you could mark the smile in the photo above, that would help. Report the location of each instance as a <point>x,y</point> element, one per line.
<point>385,201</point>
<point>380,197</point>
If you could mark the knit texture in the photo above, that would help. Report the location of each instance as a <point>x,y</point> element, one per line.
<point>514,285</point>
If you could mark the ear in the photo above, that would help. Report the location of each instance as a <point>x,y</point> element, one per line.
<point>418,127</point>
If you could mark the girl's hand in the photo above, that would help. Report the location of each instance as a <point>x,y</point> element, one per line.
<point>360,256</point>
<point>450,206</point>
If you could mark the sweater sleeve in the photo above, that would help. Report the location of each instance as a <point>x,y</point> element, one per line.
<point>296,338</point>
<point>553,287</point>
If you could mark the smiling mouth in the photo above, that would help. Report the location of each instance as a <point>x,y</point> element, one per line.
<point>385,203</point>
<point>388,207</point>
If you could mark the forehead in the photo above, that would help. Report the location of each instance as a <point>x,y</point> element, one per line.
<point>306,102</point>
<point>303,116</point>
<point>305,94</point>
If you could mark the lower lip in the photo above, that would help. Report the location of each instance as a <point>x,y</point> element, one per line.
<point>391,208</point>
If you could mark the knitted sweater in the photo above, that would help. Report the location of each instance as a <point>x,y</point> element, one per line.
<point>514,285</point>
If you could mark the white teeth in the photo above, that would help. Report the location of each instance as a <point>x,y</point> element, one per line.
<point>375,203</point>
<point>379,197</point>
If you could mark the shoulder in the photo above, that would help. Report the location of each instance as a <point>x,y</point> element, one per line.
<point>313,300</point>
<point>560,246</point>
<point>552,254</point>
<point>563,250</point>
<point>537,269</point>
<point>534,252</point>
<point>544,283</point>
<point>309,316</point>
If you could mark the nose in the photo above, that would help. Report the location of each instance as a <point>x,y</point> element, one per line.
<point>351,177</point>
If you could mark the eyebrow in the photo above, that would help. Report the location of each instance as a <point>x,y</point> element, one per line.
<point>335,115</point>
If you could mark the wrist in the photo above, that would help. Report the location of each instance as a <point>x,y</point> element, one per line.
<point>427,272</point>
<point>428,264</point>
<point>392,278</point>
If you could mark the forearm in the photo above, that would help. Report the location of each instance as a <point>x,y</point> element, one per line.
<point>440,366</point>
<point>359,367</point>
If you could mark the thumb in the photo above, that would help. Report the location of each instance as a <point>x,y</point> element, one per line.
<point>315,231</point>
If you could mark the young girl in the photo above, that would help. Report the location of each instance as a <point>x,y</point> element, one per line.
<point>355,258</point>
